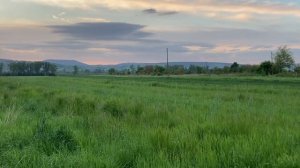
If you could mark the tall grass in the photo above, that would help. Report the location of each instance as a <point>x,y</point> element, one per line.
<point>149,122</point>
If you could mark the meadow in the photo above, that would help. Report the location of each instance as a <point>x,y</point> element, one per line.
<point>127,122</point>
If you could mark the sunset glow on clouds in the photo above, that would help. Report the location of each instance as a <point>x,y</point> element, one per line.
<point>114,31</point>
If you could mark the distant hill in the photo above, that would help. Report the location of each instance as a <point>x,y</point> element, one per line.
<point>5,61</point>
<point>67,65</point>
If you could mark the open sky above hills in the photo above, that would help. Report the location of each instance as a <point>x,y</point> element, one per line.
<point>115,31</point>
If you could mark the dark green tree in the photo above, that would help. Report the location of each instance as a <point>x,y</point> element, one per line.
<point>192,69</point>
<point>75,70</point>
<point>266,68</point>
<point>234,67</point>
<point>46,68</point>
<point>32,68</point>
<point>132,69</point>
<point>159,70</point>
<point>140,70</point>
<point>1,68</point>
<point>52,69</point>
<point>37,68</point>
<point>87,71</point>
<point>149,69</point>
<point>13,68</point>
<point>112,71</point>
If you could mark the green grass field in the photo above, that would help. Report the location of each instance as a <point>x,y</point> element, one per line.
<point>102,121</point>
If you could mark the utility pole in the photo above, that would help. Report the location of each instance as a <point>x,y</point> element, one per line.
<point>272,59</point>
<point>167,59</point>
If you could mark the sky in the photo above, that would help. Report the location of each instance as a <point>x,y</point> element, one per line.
<point>139,31</point>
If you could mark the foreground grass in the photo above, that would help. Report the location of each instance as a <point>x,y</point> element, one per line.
<point>149,122</point>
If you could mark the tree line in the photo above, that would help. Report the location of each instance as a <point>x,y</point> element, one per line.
<point>283,62</point>
<point>23,68</point>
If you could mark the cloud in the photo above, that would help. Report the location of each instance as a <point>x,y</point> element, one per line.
<point>101,50</point>
<point>92,19</point>
<point>231,16</point>
<point>161,13</point>
<point>265,7</point>
<point>150,11</point>
<point>61,17</point>
<point>227,48</point>
<point>102,31</point>
<point>21,51</point>
<point>195,48</point>
<point>89,38</point>
<point>230,49</point>
<point>232,36</point>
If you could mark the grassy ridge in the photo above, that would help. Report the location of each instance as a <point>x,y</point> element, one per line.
<point>149,122</point>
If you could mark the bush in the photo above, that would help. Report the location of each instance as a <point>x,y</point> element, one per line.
<point>266,68</point>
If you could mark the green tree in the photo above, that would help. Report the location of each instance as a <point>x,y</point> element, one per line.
<point>52,69</point>
<point>46,68</point>
<point>266,68</point>
<point>75,70</point>
<point>1,68</point>
<point>284,58</point>
<point>297,69</point>
<point>32,68</point>
<point>149,69</point>
<point>37,66</point>
<point>18,68</point>
<point>159,70</point>
<point>226,69</point>
<point>112,71</point>
<point>140,70</point>
<point>132,69</point>
<point>193,69</point>
<point>234,67</point>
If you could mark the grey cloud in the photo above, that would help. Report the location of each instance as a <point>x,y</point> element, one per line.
<point>64,44</point>
<point>153,49</point>
<point>150,11</point>
<point>154,11</point>
<point>102,31</point>
<point>67,44</point>
<point>233,36</point>
<point>139,49</point>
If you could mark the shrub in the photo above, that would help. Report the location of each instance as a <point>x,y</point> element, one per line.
<point>266,68</point>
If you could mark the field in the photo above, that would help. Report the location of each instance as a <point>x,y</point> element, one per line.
<point>103,121</point>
